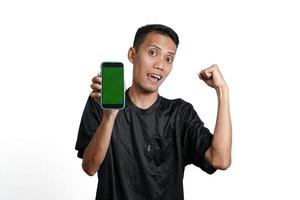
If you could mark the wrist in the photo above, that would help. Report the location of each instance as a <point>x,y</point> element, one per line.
<point>110,114</point>
<point>222,92</point>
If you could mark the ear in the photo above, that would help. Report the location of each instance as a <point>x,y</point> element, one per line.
<point>131,54</point>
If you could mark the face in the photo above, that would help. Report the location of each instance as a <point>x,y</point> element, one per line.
<point>153,62</point>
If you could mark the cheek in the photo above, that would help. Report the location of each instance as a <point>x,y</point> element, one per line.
<point>168,70</point>
<point>146,61</point>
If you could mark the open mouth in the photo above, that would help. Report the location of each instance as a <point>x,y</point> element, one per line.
<point>154,77</point>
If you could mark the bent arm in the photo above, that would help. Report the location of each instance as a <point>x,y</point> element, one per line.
<point>96,150</point>
<point>219,154</point>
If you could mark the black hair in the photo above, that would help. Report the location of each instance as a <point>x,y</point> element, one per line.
<point>143,31</point>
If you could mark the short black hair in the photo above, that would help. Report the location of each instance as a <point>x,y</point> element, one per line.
<point>143,31</point>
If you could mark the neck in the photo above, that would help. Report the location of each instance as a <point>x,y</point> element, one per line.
<point>141,99</point>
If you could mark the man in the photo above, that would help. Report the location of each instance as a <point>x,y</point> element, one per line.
<point>140,152</point>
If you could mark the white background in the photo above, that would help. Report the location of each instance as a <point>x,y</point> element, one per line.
<point>50,50</point>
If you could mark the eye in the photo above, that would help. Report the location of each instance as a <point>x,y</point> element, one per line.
<point>152,52</point>
<point>169,59</point>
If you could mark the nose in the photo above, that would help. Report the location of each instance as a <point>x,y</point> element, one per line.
<point>159,64</point>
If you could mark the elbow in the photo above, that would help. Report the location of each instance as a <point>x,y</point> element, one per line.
<point>219,159</point>
<point>89,171</point>
<point>89,168</point>
<point>222,164</point>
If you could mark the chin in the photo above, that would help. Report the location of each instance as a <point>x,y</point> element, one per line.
<point>149,89</point>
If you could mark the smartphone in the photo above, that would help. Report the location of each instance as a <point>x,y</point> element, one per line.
<point>113,90</point>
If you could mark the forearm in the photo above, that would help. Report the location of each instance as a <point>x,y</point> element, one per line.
<point>220,152</point>
<point>96,150</point>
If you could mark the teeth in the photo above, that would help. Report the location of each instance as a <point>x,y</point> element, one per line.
<point>156,76</point>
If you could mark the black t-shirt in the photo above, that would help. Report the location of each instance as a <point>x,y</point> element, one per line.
<point>149,149</point>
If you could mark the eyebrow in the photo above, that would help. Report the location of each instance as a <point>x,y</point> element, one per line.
<point>170,52</point>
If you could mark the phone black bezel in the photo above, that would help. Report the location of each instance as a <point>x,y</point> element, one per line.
<point>113,106</point>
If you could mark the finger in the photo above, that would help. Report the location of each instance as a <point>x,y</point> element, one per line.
<point>200,76</point>
<point>97,79</point>
<point>96,87</point>
<point>205,74</point>
<point>208,74</point>
<point>95,95</point>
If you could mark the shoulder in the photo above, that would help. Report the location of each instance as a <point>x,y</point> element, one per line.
<point>177,104</point>
<point>92,107</point>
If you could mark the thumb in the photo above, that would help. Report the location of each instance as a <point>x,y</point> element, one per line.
<point>206,74</point>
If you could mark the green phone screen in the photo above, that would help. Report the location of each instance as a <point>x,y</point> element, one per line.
<point>112,85</point>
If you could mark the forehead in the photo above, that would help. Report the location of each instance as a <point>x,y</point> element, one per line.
<point>162,41</point>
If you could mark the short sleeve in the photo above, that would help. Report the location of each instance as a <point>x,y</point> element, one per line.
<point>89,123</point>
<point>196,139</point>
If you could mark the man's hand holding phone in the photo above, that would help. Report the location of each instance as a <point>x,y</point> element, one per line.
<point>96,87</point>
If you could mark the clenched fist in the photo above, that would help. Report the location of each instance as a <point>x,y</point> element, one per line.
<point>212,77</point>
